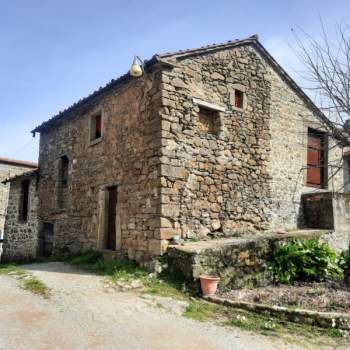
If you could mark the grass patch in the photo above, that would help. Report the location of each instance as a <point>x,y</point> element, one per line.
<point>10,269</point>
<point>264,324</point>
<point>202,311</point>
<point>27,281</point>
<point>35,286</point>
<point>126,270</point>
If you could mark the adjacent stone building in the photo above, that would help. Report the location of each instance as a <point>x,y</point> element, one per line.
<point>209,142</point>
<point>21,239</point>
<point>9,168</point>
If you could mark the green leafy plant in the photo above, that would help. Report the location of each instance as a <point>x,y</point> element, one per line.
<point>344,259</point>
<point>304,260</point>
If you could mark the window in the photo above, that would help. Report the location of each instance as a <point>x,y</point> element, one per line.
<point>238,99</point>
<point>346,172</point>
<point>63,181</point>
<point>24,202</point>
<point>96,127</point>
<point>316,159</point>
<point>208,121</point>
<point>64,171</point>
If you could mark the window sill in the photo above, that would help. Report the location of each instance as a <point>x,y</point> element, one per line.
<point>237,109</point>
<point>95,142</point>
<point>314,187</point>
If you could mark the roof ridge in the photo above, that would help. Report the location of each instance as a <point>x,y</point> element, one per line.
<point>210,46</point>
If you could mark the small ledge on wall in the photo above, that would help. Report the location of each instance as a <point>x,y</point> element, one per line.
<point>209,105</point>
<point>96,141</point>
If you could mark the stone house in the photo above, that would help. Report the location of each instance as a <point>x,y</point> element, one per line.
<point>21,240</point>
<point>9,168</point>
<point>210,142</point>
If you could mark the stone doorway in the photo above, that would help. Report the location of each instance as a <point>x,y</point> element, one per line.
<point>45,245</point>
<point>111,217</point>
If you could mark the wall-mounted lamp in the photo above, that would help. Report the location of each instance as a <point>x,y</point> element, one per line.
<point>137,67</point>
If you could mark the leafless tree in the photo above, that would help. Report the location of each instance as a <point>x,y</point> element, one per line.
<point>327,76</point>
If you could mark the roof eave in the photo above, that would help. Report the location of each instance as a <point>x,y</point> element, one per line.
<point>114,83</point>
<point>33,173</point>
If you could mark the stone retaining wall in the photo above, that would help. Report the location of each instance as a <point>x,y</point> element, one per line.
<point>240,262</point>
<point>330,320</point>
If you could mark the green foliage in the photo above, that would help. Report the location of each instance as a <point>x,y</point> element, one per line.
<point>93,261</point>
<point>202,311</point>
<point>26,280</point>
<point>36,286</point>
<point>344,259</point>
<point>125,270</point>
<point>304,260</point>
<point>9,269</point>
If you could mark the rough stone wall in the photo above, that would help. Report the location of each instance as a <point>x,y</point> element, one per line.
<point>7,171</point>
<point>329,210</point>
<point>215,184</point>
<point>21,238</point>
<point>239,262</point>
<point>317,210</point>
<point>177,173</point>
<point>290,119</point>
<point>126,156</point>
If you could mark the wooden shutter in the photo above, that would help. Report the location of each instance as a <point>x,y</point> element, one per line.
<point>315,166</point>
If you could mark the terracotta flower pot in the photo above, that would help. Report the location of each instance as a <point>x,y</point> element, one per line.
<point>209,284</point>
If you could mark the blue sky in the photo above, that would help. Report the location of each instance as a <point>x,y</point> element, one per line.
<point>54,52</point>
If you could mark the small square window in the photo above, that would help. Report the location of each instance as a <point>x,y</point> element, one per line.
<point>96,127</point>
<point>238,99</point>
<point>208,121</point>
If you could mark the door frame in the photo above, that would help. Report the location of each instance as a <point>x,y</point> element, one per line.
<point>103,201</point>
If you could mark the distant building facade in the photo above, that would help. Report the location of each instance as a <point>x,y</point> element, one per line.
<point>9,168</point>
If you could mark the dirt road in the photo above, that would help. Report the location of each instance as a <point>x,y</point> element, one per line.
<point>83,314</point>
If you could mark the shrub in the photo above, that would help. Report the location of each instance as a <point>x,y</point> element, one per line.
<point>344,259</point>
<point>304,260</point>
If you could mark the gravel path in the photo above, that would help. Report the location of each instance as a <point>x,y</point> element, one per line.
<point>82,314</point>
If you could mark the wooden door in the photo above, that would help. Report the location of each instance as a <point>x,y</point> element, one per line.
<point>46,240</point>
<point>111,222</point>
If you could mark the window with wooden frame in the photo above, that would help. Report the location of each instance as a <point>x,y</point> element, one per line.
<point>239,96</point>
<point>208,121</point>
<point>96,127</point>
<point>316,159</point>
<point>24,201</point>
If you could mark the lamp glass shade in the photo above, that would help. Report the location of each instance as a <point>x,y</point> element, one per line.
<point>135,70</point>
